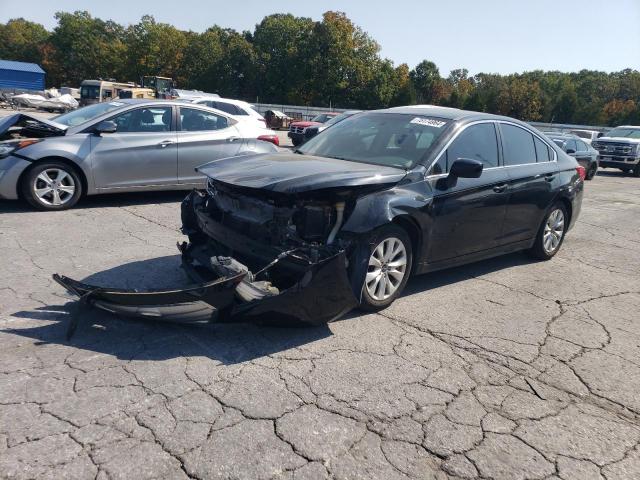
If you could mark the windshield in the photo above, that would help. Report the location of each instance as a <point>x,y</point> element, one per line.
<point>391,139</point>
<point>624,132</point>
<point>90,91</point>
<point>84,114</point>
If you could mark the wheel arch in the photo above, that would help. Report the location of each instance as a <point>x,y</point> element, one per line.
<point>408,224</point>
<point>66,161</point>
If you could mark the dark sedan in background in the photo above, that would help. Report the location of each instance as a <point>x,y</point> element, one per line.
<point>572,145</point>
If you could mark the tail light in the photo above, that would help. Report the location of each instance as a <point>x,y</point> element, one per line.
<point>270,138</point>
<point>582,172</point>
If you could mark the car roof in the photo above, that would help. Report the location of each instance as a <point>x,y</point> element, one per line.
<point>448,113</point>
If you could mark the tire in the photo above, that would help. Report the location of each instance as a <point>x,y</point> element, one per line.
<point>625,170</point>
<point>591,172</point>
<point>550,237</point>
<point>295,142</point>
<point>636,171</point>
<point>52,186</point>
<point>374,294</point>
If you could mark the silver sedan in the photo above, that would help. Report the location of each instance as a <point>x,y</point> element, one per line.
<point>118,146</point>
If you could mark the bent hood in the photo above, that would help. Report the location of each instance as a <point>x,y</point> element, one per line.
<point>288,173</point>
<point>31,122</point>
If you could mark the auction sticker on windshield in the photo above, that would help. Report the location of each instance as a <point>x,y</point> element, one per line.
<point>429,122</point>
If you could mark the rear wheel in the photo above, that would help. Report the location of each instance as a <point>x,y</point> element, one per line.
<point>592,170</point>
<point>388,269</point>
<point>551,233</point>
<point>52,186</point>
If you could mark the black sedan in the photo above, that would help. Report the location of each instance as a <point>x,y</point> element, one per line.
<point>346,219</point>
<point>572,145</point>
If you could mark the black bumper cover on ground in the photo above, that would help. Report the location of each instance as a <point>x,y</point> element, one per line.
<point>323,293</point>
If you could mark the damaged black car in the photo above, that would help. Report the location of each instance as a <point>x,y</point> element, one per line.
<point>302,237</point>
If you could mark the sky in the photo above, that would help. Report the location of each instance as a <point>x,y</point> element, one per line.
<point>491,36</point>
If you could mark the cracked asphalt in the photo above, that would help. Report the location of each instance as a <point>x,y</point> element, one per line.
<point>505,369</point>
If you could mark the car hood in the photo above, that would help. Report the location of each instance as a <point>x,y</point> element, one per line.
<point>305,124</point>
<point>290,173</point>
<point>32,122</point>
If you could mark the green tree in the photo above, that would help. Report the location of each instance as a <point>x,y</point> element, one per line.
<point>22,40</point>
<point>83,47</point>
<point>154,49</point>
<point>425,78</point>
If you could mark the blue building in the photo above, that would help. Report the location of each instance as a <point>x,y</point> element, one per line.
<point>21,76</point>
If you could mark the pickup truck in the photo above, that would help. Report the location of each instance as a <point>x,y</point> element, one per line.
<point>296,129</point>
<point>620,148</point>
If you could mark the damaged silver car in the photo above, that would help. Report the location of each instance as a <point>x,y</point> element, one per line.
<point>302,237</point>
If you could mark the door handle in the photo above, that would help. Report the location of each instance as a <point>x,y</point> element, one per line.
<point>501,187</point>
<point>549,177</point>
<point>165,143</point>
<point>232,139</point>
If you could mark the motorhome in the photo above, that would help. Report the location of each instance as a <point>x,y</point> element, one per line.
<point>96,91</point>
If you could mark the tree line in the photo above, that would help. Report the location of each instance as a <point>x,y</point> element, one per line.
<point>296,60</point>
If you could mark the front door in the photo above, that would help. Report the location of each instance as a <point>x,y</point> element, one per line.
<point>468,216</point>
<point>142,151</point>
<point>533,181</point>
<point>203,137</point>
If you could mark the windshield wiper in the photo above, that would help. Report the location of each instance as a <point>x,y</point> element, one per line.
<point>298,151</point>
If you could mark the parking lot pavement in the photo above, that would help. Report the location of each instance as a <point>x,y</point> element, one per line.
<point>505,369</point>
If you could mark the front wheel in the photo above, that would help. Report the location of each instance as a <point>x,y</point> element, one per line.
<point>551,233</point>
<point>636,170</point>
<point>52,186</point>
<point>388,268</point>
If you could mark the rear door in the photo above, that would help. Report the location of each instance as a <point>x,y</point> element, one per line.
<point>142,151</point>
<point>533,180</point>
<point>203,136</point>
<point>468,216</point>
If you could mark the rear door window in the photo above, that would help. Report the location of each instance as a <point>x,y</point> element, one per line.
<point>543,154</point>
<point>517,145</point>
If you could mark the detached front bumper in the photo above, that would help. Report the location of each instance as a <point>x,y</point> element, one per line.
<point>320,294</point>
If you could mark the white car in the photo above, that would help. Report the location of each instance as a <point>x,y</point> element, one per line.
<point>237,108</point>
<point>587,135</point>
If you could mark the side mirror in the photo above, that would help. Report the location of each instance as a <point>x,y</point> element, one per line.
<point>600,134</point>
<point>106,126</point>
<point>462,168</point>
<point>466,168</point>
<point>571,151</point>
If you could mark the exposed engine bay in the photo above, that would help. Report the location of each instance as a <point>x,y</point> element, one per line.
<point>22,125</point>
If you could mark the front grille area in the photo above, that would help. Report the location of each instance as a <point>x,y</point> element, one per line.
<point>611,148</point>
<point>295,129</point>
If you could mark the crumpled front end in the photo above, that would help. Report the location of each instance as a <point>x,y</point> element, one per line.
<point>304,284</point>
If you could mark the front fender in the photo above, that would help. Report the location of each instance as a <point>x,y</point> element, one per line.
<point>377,209</point>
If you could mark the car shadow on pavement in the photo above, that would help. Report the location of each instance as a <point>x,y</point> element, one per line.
<point>102,201</point>
<point>128,338</point>
<point>102,332</point>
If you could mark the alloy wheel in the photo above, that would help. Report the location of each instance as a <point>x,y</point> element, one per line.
<point>553,231</point>
<point>387,268</point>
<point>54,186</point>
